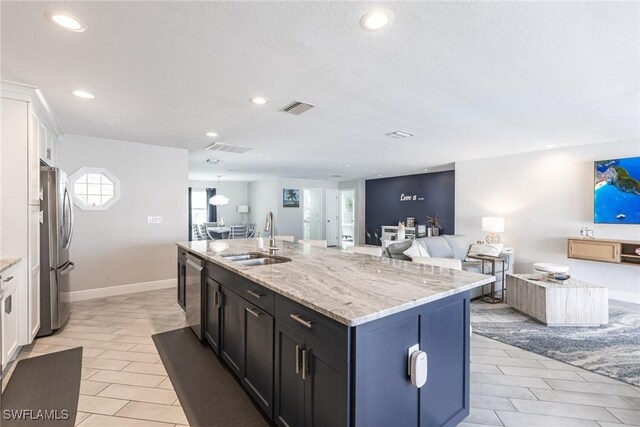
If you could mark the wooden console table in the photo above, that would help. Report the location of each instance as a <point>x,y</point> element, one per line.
<point>554,303</point>
<point>605,250</point>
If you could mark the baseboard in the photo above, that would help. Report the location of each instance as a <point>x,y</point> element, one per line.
<point>631,297</point>
<point>117,290</point>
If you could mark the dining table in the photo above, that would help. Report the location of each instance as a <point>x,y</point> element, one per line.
<point>221,231</point>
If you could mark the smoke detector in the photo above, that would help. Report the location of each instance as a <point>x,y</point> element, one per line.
<point>297,107</point>
<point>228,148</point>
<point>400,134</point>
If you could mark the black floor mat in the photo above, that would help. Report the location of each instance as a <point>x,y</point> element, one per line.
<point>43,391</point>
<point>208,393</point>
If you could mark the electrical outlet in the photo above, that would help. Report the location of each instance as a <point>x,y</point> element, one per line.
<point>154,220</point>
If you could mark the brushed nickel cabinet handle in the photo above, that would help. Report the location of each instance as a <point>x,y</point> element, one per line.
<point>254,294</point>
<point>300,320</point>
<point>253,311</point>
<point>304,364</point>
<point>8,279</point>
<point>297,360</point>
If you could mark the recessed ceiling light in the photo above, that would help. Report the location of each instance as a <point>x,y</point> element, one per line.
<point>66,21</point>
<point>211,134</point>
<point>376,19</point>
<point>83,94</point>
<point>258,100</point>
<point>400,134</point>
<point>548,146</point>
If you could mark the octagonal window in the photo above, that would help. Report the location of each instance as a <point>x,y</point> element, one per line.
<point>94,188</point>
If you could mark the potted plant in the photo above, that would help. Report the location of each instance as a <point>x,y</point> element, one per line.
<point>434,225</point>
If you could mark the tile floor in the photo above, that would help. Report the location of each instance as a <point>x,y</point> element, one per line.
<point>125,385</point>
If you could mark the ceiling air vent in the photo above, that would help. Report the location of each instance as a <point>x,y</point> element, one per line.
<point>400,134</point>
<point>228,148</point>
<point>297,107</point>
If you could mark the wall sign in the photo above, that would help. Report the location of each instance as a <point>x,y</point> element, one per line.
<point>391,200</point>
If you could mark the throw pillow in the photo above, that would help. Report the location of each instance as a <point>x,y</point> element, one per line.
<point>491,249</point>
<point>415,250</point>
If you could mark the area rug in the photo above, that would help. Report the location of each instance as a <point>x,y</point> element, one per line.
<point>208,393</point>
<point>43,391</point>
<point>612,350</point>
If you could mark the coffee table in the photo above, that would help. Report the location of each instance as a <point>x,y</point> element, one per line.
<point>554,303</point>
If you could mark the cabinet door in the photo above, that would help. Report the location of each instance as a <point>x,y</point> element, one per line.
<point>444,336</point>
<point>325,389</point>
<point>182,273</point>
<point>9,325</point>
<point>232,339</point>
<point>258,368</point>
<point>289,386</point>
<point>212,319</point>
<point>33,288</point>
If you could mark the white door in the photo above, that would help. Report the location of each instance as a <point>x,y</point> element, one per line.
<point>332,215</point>
<point>33,293</point>
<point>312,213</point>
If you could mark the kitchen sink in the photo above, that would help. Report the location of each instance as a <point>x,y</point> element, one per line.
<point>255,258</point>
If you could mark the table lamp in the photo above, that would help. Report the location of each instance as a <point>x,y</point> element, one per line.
<point>493,225</point>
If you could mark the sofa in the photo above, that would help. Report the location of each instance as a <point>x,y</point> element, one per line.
<point>452,246</point>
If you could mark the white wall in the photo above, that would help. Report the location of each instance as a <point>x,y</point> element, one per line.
<point>266,195</point>
<point>236,191</point>
<point>117,246</point>
<point>546,197</point>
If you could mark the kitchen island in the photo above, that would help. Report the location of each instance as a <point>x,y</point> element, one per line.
<point>325,337</point>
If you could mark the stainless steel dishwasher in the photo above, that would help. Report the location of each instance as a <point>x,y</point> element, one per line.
<point>194,294</point>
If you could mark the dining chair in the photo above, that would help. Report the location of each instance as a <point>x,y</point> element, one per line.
<point>195,232</point>
<point>319,243</point>
<point>239,232</point>
<point>251,230</point>
<point>205,232</point>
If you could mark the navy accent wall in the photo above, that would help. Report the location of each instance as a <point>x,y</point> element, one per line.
<point>424,194</point>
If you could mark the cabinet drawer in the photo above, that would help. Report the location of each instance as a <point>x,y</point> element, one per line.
<point>259,296</point>
<point>182,254</point>
<point>225,277</point>
<point>325,332</point>
<point>594,250</point>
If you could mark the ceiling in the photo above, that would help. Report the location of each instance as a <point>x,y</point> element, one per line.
<point>469,79</point>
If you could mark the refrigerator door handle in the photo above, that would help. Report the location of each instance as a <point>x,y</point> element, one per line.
<point>68,269</point>
<point>67,201</point>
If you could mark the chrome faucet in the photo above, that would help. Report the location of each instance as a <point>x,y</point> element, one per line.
<point>268,226</point>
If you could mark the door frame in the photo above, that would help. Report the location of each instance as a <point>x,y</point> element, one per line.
<point>336,214</point>
<point>322,213</point>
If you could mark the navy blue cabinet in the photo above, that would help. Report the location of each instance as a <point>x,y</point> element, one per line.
<point>257,376</point>
<point>232,330</point>
<point>289,385</point>
<point>441,328</point>
<point>213,314</point>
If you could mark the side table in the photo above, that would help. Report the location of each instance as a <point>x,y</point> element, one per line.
<point>492,298</point>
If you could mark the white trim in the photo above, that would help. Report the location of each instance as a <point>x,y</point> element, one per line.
<point>117,290</point>
<point>632,297</point>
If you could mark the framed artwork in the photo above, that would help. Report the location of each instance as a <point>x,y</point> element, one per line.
<point>290,198</point>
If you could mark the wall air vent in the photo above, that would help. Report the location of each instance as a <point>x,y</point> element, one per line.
<point>297,107</point>
<point>213,161</point>
<point>400,134</point>
<point>228,148</point>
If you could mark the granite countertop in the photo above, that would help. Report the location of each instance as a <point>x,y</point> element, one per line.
<point>6,263</point>
<point>350,288</point>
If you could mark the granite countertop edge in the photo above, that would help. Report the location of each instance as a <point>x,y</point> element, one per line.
<point>7,263</point>
<point>351,321</point>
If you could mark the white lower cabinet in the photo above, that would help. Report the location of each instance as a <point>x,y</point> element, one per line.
<point>10,280</point>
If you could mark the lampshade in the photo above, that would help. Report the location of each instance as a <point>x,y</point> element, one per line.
<point>243,208</point>
<point>493,224</point>
<point>219,200</point>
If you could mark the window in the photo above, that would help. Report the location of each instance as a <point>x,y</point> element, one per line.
<point>94,188</point>
<point>199,204</point>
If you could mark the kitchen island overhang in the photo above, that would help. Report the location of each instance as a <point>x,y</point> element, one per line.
<point>341,327</point>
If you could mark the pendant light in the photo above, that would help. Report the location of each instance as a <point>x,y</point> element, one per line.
<point>219,199</point>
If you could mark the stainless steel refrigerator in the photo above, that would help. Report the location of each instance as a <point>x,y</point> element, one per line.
<point>56,232</point>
